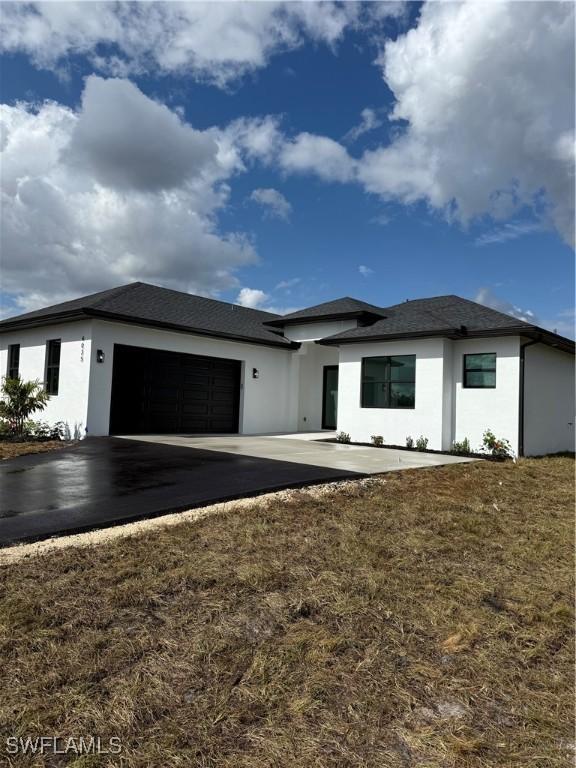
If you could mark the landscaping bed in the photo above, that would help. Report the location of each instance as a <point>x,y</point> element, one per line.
<point>469,454</point>
<point>424,618</point>
<point>10,448</point>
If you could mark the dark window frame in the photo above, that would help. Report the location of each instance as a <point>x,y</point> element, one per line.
<point>326,369</point>
<point>52,369</point>
<point>388,383</point>
<point>466,370</point>
<point>13,368</point>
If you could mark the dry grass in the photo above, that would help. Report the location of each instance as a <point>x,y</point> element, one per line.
<point>10,449</point>
<point>424,619</point>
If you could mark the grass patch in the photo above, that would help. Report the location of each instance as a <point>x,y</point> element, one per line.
<point>421,619</point>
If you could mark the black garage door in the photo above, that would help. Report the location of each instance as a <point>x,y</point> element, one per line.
<point>168,392</point>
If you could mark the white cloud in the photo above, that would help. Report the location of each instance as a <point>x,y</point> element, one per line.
<point>381,219</point>
<point>273,203</point>
<point>85,206</point>
<point>128,141</point>
<point>563,322</point>
<point>287,285</point>
<point>254,298</point>
<point>308,153</point>
<point>488,109</point>
<point>489,299</point>
<point>486,91</point>
<point>369,122</point>
<point>510,231</point>
<point>259,138</point>
<point>217,41</point>
<point>365,271</point>
<point>488,114</point>
<point>262,139</point>
<point>251,297</point>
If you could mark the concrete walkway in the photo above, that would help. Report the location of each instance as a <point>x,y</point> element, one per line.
<point>305,449</point>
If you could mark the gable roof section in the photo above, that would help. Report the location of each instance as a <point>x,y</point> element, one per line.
<point>338,309</point>
<point>448,316</point>
<point>149,305</point>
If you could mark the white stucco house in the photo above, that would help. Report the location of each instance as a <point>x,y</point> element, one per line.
<point>140,359</point>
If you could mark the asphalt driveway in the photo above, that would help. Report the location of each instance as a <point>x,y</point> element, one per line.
<point>105,481</point>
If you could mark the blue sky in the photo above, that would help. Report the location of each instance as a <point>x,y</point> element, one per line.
<point>375,235</point>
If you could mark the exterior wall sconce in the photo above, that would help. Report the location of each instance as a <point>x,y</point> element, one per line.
<point>100,356</point>
<point>255,373</point>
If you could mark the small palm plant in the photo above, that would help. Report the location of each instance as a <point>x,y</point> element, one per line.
<point>19,400</point>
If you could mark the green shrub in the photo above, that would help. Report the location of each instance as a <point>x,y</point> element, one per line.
<point>409,442</point>
<point>377,440</point>
<point>421,443</point>
<point>19,400</point>
<point>462,447</point>
<point>496,446</point>
<point>343,437</point>
<point>41,430</point>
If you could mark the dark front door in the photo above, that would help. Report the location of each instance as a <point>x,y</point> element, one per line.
<point>330,397</point>
<point>154,391</point>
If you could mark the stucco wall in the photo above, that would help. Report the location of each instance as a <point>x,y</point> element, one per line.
<point>70,405</point>
<point>318,330</point>
<point>393,424</point>
<point>289,387</point>
<point>312,359</point>
<point>448,386</point>
<point>444,411</point>
<point>267,404</point>
<point>476,410</point>
<point>548,401</point>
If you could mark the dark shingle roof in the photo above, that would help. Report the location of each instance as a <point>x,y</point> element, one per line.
<point>143,304</point>
<point>449,316</point>
<point>150,305</point>
<point>330,310</point>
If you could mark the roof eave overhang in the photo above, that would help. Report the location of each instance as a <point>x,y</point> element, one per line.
<point>538,334</point>
<point>9,325</point>
<point>86,313</point>
<point>360,314</point>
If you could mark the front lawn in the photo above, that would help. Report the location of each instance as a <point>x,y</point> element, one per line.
<point>423,618</point>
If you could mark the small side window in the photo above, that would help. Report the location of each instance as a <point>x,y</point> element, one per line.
<point>480,371</point>
<point>13,361</point>
<point>53,366</point>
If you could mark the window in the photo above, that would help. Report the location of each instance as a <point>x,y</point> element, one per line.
<point>480,371</point>
<point>52,366</point>
<point>13,361</point>
<point>389,382</point>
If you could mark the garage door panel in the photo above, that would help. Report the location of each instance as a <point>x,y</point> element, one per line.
<point>200,425</point>
<point>198,409</point>
<point>195,377</point>
<point>158,409</point>
<point>196,386</point>
<point>217,426</point>
<point>221,397</point>
<point>219,382</point>
<point>195,395</point>
<point>167,389</point>
<point>221,411</point>
<point>171,392</point>
<point>162,426</point>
